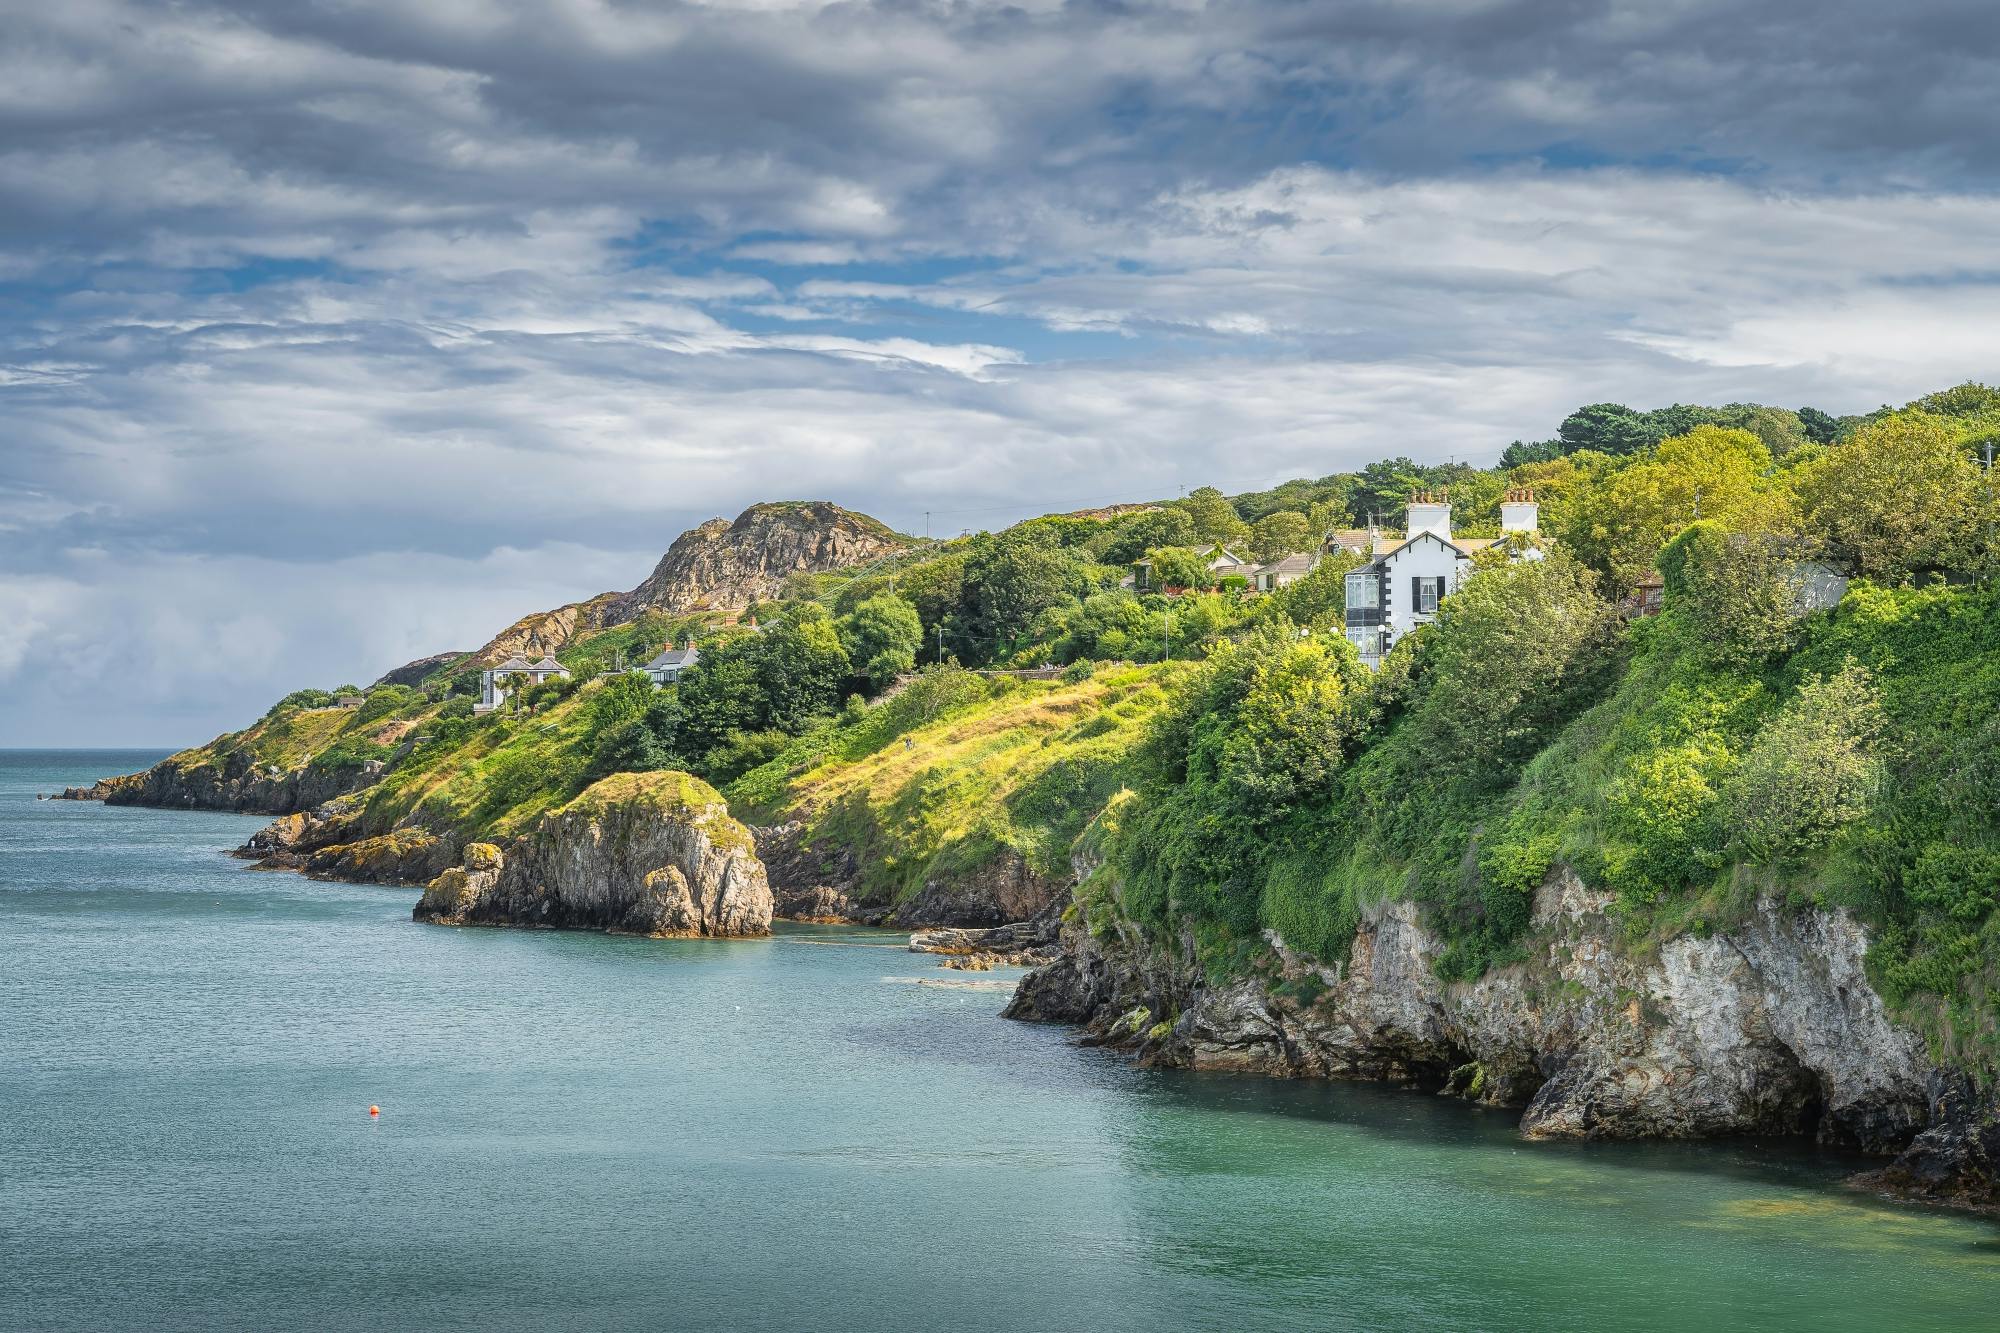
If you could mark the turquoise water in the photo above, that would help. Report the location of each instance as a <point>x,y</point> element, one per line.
<point>586,1132</point>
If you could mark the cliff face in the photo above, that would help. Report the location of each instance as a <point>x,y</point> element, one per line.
<point>724,566</point>
<point>1768,1028</point>
<point>638,853</point>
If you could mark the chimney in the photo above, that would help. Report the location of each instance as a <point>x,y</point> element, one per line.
<point>1430,511</point>
<point>1519,512</point>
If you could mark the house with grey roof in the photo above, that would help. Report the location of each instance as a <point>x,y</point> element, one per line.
<point>670,664</point>
<point>496,682</point>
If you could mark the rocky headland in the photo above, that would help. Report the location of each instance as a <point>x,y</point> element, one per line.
<point>1769,1028</point>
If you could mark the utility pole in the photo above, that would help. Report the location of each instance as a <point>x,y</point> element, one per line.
<point>927,525</point>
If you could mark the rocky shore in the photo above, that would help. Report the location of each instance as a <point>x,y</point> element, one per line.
<point>1768,1028</point>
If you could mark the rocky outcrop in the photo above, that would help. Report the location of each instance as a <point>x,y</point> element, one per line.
<point>1769,1028</point>
<point>819,881</point>
<point>1004,888</point>
<point>1031,943</point>
<point>415,673</point>
<point>637,853</point>
<point>725,566</point>
<point>545,632</point>
<point>234,782</point>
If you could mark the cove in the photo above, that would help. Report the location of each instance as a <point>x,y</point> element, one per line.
<point>590,1131</point>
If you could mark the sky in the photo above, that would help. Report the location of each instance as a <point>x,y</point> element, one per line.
<point>338,332</point>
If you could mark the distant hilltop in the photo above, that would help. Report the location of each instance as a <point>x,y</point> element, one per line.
<point>720,566</point>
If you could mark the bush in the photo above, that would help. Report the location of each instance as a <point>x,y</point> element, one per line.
<point>1812,770</point>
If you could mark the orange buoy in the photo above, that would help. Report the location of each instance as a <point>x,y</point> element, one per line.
<point>374,1110</point>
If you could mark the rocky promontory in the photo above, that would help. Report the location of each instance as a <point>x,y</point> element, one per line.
<point>636,853</point>
<point>233,782</point>
<point>1769,1027</point>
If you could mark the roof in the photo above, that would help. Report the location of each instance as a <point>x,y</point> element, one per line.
<point>514,663</point>
<point>674,657</point>
<point>1351,538</point>
<point>1291,564</point>
<point>549,664</point>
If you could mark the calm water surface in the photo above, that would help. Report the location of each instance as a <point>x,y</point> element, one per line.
<point>581,1131</point>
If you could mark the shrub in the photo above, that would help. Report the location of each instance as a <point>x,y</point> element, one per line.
<point>1812,769</point>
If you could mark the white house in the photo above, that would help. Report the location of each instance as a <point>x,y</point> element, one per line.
<point>493,689</point>
<point>666,669</point>
<point>1407,580</point>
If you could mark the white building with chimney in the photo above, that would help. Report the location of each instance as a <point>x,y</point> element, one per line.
<point>1407,579</point>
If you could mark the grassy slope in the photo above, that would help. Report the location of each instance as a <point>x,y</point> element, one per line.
<point>992,766</point>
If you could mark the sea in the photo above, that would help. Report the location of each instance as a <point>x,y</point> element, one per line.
<point>819,1130</point>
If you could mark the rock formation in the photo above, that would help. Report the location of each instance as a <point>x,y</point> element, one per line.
<point>638,853</point>
<point>543,633</point>
<point>1769,1027</point>
<point>725,566</point>
<point>237,782</point>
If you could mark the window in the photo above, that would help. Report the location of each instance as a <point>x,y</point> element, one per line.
<point>1364,592</point>
<point>1427,592</point>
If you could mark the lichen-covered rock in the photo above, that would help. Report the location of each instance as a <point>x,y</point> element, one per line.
<point>638,853</point>
<point>400,856</point>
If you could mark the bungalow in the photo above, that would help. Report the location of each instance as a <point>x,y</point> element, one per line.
<point>493,686</point>
<point>1280,573</point>
<point>1404,584</point>
<point>666,668</point>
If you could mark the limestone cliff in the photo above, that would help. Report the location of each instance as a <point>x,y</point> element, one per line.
<point>725,566</point>
<point>1766,1028</point>
<point>638,853</point>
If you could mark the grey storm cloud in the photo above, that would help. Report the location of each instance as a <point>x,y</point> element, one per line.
<point>334,331</point>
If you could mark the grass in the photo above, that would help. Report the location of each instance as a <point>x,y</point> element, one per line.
<point>943,783</point>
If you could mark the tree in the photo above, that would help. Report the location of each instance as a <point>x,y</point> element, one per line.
<point>1214,518</point>
<point>1283,533</point>
<point>1178,567</point>
<point>1899,495</point>
<point>1609,428</point>
<point>1010,579</point>
<point>642,744</point>
<point>801,667</point>
<point>1125,539</point>
<point>1383,489</point>
<point>1818,426</point>
<point>882,636</point>
<point>935,588</point>
<point>722,693</point>
<point>1708,473</point>
<point>1521,451</point>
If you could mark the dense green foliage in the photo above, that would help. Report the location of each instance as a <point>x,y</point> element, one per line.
<point>1685,764</point>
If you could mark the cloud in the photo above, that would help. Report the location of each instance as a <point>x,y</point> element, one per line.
<point>317,317</point>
